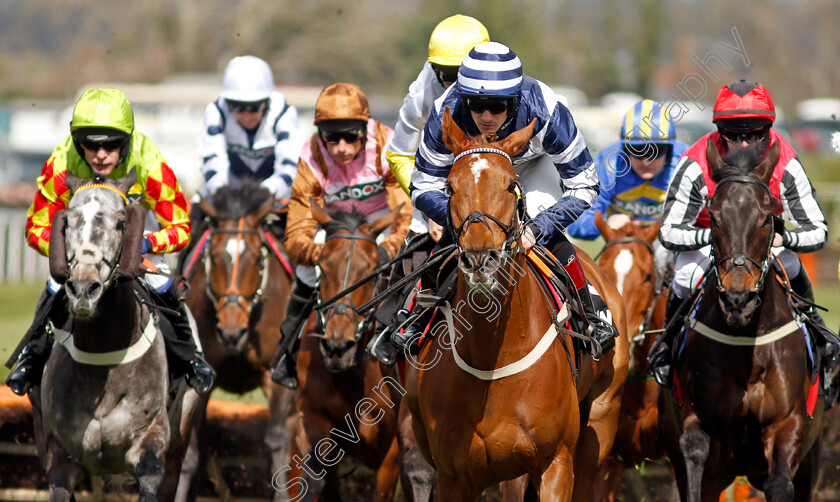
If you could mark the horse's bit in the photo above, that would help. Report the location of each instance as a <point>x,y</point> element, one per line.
<point>740,259</point>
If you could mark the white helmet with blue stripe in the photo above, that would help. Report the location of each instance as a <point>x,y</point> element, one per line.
<point>490,69</point>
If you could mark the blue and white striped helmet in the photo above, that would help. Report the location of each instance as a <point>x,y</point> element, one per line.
<point>490,69</point>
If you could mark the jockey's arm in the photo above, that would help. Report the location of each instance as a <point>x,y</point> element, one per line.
<point>301,227</point>
<point>584,227</point>
<point>212,151</point>
<point>686,198</point>
<point>170,209</point>
<point>286,153</point>
<point>800,203</point>
<point>51,197</point>
<point>396,196</point>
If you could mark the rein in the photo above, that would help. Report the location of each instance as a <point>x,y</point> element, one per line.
<point>362,321</point>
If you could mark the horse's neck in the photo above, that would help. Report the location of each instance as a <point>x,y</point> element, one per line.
<point>515,317</point>
<point>113,325</point>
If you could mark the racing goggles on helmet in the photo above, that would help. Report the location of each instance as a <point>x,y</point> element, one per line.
<point>736,137</point>
<point>494,104</point>
<point>93,139</point>
<point>445,74</point>
<point>245,106</point>
<point>647,151</point>
<point>335,137</point>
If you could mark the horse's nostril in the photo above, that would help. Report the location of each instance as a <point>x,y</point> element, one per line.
<point>70,286</point>
<point>94,288</point>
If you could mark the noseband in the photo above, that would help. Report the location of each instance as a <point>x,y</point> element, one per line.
<point>740,259</point>
<point>512,230</point>
<point>349,309</point>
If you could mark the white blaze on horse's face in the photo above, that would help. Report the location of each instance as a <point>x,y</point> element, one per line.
<point>235,247</point>
<point>622,265</point>
<point>92,239</point>
<point>477,166</point>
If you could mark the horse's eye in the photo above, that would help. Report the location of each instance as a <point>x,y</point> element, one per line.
<point>448,189</point>
<point>120,225</point>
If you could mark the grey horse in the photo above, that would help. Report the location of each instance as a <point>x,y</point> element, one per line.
<point>101,407</point>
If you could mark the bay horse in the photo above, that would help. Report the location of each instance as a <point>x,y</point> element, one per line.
<point>346,399</point>
<point>744,401</point>
<point>239,310</point>
<point>628,260</point>
<point>502,397</point>
<point>101,407</point>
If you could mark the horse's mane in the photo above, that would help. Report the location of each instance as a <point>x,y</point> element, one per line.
<point>344,220</point>
<point>234,202</point>
<point>740,162</point>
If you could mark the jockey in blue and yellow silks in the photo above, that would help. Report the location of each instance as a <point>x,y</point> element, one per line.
<point>635,172</point>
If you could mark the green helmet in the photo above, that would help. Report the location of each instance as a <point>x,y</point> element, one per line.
<point>103,108</point>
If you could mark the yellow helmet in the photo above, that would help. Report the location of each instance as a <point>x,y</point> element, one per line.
<point>453,38</point>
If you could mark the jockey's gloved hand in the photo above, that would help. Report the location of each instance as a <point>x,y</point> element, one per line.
<point>147,245</point>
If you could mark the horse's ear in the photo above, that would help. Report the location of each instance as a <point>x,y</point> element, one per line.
<point>208,208</point>
<point>72,181</point>
<point>453,136</point>
<point>764,171</point>
<point>514,143</point>
<point>650,232</point>
<point>713,156</point>
<point>318,212</point>
<point>601,224</point>
<point>386,221</point>
<point>125,183</point>
<point>263,210</point>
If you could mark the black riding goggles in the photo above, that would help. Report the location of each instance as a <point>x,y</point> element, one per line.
<point>648,151</point>
<point>495,106</point>
<point>93,139</point>
<point>335,137</point>
<point>245,106</point>
<point>737,137</point>
<point>446,74</point>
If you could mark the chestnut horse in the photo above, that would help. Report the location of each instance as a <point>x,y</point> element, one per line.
<point>239,311</point>
<point>347,401</point>
<point>504,400</point>
<point>744,401</point>
<point>628,261</point>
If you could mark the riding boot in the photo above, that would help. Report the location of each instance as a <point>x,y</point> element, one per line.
<point>408,334</point>
<point>180,344</point>
<point>301,302</point>
<point>601,331</point>
<point>33,357</point>
<point>660,362</point>
<point>827,341</point>
<point>380,348</point>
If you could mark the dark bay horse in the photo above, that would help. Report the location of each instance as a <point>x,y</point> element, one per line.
<point>102,405</point>
<point>503,400</point>
<point>239,310</point>
<point>744,401</point>
<point>628,261</point>
<point>346,400</point>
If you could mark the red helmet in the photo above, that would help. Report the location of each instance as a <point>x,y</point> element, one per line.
<point>743,100</point>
